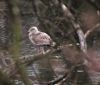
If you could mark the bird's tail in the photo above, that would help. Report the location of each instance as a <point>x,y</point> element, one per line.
<point>53,44</point>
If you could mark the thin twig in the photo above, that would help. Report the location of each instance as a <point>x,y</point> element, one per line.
<point>66,76</point>
<point>97,26</point>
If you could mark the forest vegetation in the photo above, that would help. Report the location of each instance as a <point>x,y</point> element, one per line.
<point>74,25</point>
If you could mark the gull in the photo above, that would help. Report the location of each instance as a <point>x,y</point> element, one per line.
<point>40,40</point>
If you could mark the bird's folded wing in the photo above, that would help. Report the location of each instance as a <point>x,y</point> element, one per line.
<point>42,39</point>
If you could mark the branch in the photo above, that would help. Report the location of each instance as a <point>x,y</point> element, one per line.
<point>30,59</point>
<point>65,77</point>
<point>76,26</point>
<point>27,60</point>
<point>92,29</point>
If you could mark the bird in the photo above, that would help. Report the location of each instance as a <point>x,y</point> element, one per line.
<point>40,40</point>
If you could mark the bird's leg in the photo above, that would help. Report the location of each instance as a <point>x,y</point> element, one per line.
<point>41,50</point>
<point>38,50</point>
<point>47,51</point>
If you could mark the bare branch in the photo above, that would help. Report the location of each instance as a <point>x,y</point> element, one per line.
<point>76,26</point>
<point>65,77</point>
<point>97,26</point>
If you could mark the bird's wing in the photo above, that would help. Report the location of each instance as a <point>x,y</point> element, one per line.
<point>43,39</point>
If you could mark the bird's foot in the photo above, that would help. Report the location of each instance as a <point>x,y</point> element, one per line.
<point>45,52</point>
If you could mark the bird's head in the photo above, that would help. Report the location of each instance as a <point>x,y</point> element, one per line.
<point>33,30</point>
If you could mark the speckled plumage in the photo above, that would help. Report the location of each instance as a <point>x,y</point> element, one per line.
<point>40,39</point>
